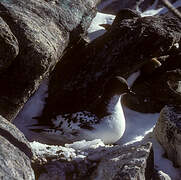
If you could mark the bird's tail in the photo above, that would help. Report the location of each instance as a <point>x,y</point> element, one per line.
<point>38,128</point>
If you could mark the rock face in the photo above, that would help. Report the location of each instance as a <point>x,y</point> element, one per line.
<point>168,132</point>
<point>160,86</point>
<point>15,153</point>
<point>43,29</point>
<point>128,163</point>
<point>78,79</point>
<point>9,46</point>
<point>155,91</point>
<point>96,161</point>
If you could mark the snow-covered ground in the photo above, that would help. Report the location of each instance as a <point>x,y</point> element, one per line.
<point>138,125</point>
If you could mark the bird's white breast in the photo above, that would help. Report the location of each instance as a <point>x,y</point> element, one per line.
<point>111,128</point>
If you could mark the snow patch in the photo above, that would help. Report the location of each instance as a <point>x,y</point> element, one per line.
<point>31,109</point>
<point>83,145</point>
<point>163,164</point>
<point>138,125</point>
<point>95,30</point>
<point>153,11</point>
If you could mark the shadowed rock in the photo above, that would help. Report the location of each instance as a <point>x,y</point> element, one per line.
<point>155,90</point>
<point>43,30</point>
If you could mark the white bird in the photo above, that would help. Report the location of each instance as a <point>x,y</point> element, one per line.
<point>106,121</point>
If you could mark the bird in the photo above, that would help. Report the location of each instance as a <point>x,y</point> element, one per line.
<point>106,121</point>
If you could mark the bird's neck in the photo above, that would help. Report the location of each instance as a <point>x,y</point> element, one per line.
<point>107,105</point>
<point>111,103</point>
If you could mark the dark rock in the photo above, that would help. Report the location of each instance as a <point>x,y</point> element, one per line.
<point>155,90</point>
<point>15,153</point>
<point>124,14</point>
<point>9,46</point>
<point>78,80</point>
<point>168,132</point>
<point>43,29</point>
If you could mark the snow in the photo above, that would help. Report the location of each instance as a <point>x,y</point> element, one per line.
<point>32,108</point>
<point>95,30</point>
<point>132,78</point>
<point>164,164</point>
<point>83,145</point>
<point>43,149</point>
<point>153,11</point>
<point>139,126</point>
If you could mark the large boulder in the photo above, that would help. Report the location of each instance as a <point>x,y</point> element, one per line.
<point>9,46</point>
<point>127,163</point>
<point>168,132</point>
<point>15,153</point>
<point>94,160</point>
<point>43,30</point>
<point>79,78</point>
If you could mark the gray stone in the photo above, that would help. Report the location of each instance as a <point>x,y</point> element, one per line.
<point>14,164</point>
<point>168,132</point>
<point>15,137</point>
<point>43,29</point>
<point>96,162</point>
<point>15,153</point>
<point>9,46</point>
<point>126,164</point>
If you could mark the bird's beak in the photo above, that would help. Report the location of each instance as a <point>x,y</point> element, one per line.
<point>131,92</point>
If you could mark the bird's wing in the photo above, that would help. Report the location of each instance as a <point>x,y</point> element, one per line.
<point>68,123</point>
